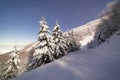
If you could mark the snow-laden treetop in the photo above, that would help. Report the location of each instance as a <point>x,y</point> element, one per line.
<point>43,26</point>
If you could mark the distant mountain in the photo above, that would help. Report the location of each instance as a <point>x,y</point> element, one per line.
<point>8,48</point>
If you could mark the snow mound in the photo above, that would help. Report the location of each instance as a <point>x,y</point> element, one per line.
<point>86,40</point>
<point>101,63</point>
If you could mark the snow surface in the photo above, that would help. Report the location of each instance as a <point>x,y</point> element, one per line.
<point>86,40</point>
<point>101,63</point>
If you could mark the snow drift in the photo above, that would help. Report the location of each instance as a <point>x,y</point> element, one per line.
<point>101,63</point>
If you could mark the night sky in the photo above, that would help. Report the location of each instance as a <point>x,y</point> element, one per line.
<point>19,18</point>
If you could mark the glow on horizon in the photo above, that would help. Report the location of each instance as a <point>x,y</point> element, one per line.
<point>15,42</point>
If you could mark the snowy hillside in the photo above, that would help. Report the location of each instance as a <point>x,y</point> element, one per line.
<point>85,33</point>
<point>101,63</point>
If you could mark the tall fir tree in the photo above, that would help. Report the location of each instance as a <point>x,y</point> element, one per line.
<point>60,43</point>
<point>44,50</point>
<point>12,66</point>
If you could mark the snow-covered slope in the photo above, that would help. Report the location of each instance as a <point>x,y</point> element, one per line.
<point>101,63</point>
<point>85,33</point>
<point>86,40</point>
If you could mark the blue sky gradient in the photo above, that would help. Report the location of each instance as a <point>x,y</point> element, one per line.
<point>19,18</point>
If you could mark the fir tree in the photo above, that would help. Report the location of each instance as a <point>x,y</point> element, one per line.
<point>12,66</point>
<point>60,43</point>
<point>44,50</point>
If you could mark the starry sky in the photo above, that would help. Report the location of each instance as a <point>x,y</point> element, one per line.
<point>19,18</point>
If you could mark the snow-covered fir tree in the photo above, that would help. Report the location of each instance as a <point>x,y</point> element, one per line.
<point>44,50</point>
<point>60,43</point>
<point>71,42</point>
<point>12,66</point>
